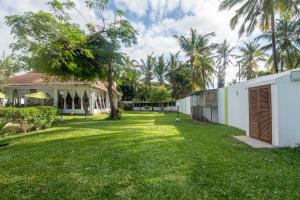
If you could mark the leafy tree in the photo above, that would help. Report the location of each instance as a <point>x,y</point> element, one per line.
<point>250,57</point>
<point>51,42</point>
<point>147,67</point>
<point>160,69</point>
<point>8,66</point>
<point>178,76</point>
<point>204,64</point>
<point>190,45</point>
<point>262,13</point>
<point>128,79</point>
<point>287,43</point>
<point>199,51</point>
<point>223,60</point>
<point>160,94</point>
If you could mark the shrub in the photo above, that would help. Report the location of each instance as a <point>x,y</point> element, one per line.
<point>30,118</point>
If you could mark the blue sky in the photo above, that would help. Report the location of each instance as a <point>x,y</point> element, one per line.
<point>155,20</point>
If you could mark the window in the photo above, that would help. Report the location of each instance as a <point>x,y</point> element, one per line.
<point>33,91</point>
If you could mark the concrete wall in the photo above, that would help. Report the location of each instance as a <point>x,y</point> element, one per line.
<point>238,106</point>
<point>288,111</point>
<point>184,105</point>
<point>221,106</point>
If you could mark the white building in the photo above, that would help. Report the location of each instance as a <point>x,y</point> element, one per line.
<point>266,108</point>
<point>71,96</point>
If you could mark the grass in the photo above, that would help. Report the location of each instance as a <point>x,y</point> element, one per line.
<point>143,156</point>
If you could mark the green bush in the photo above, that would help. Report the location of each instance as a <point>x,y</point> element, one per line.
<point>30,118</point>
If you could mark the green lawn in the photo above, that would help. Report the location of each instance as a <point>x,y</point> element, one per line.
<point>143,156</point>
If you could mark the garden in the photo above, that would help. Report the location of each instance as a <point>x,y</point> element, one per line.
<point>143,156</point>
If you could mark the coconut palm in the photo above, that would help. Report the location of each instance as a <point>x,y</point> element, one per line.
<point>147,67</point>
<point>223,59</point>
<point>204,61</point>
<point>259,12</point>
<point>250,57</point>
<point>7,68</point>
<point>160,69</point>
<point>197,47</point>
<point>287,43</point>
<point>190,45</point>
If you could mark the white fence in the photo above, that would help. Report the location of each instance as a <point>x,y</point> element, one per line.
<point>184,105</point>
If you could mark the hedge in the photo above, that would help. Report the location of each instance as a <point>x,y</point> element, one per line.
<point>30,118</point>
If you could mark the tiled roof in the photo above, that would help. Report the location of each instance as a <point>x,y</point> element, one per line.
<point>41,79</point>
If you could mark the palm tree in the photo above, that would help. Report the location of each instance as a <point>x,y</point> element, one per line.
<point>190,45</point>
<point>147,67</point>
<point>204,61</point>
<point>259,12</point>
<point>160,69</point>
<point>223,59</point>
<point>287,43</point>
<point>198,49</point>
<point>7,68</point>
<point>173,66</point>
<point>249,58</point>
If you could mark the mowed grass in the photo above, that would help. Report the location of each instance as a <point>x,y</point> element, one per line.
<point>144,156</point>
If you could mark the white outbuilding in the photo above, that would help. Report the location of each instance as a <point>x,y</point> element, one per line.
<point>267,108</point>
<point>274,108</point>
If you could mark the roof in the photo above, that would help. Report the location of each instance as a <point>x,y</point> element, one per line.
<point>269,79</point>
<point>42,79</point>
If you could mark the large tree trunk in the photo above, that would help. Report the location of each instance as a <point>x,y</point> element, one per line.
<point>113,106</point>
<point>275,61</point>
<point>193,74</point>
<point>203,78</point>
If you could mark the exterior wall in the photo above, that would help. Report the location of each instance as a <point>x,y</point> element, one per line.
<point>238,106</point>
<point>221,105</point>
<point>184,105</point>
<point>168,108</point>
<point>288,112</point>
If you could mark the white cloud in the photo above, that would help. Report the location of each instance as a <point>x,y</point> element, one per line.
<point>154,36</point>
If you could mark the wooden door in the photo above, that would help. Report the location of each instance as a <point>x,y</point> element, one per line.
<point>260,110</point>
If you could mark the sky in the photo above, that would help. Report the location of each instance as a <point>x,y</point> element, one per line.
<point>156,21</point>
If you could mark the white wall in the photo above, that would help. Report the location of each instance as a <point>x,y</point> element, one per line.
<point>184,105</point>
<point>238,106</point>
<point>288,99</point>
<point>221,106</point>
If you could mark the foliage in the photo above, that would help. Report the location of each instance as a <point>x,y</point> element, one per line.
<point>224,55</point>
<point>249,58</point>
<point>51,42</point>
<point>147,67</point>
<point>30,118</point>
<point>198,49</point>
<point>287,43</point>
<point>7,67</point>
<point>178,76</point>
<point>160,94</point>
<point>260,13</point>
<point>160,69</point>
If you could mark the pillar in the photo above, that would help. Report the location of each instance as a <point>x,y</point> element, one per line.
<point>55,97</point>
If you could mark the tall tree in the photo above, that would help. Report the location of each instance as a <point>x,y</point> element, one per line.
<point>224,55</point>
<point>190,45</point>
<point>198,49</point>
<point>178,76</point>
<point>204,64</point>
<point>8,66</point>
<point>250,57</point>
<point>160,69</point>
<point>128,78</point>
<point>147,67</point>
<point>51,42</point>
<point>262,13</point>
<point>287,43</point>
